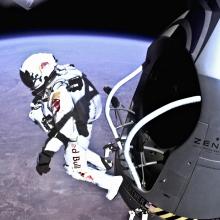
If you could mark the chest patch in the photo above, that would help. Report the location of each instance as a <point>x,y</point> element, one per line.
<point>56,102</point>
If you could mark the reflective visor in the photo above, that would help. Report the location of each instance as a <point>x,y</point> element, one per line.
<point>26,79</point>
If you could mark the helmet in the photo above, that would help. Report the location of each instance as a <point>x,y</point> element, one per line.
<point>37,70</point>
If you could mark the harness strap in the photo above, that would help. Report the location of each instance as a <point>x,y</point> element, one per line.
<point>63,139</point>
<point>80,112</point>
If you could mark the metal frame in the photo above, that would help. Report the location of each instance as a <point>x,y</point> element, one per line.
<point>140,124</point>
<point>109,98</point>
<point>143,122</point>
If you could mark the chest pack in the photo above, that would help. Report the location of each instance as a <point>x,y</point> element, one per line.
<point>81,109</point>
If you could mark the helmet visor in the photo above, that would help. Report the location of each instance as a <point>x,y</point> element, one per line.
<point>26,79</point>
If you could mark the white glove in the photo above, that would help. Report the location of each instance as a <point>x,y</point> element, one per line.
<point>37,116</point>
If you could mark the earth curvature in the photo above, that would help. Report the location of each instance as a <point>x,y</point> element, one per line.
<point>24,194</point>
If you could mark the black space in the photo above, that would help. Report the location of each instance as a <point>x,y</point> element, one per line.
<point>146,18</point>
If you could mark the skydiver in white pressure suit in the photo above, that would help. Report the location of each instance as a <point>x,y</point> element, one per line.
<point>65,106</point>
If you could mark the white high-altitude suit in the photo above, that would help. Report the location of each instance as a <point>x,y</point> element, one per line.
<point>65,106</point>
